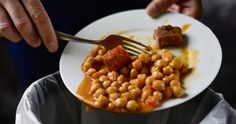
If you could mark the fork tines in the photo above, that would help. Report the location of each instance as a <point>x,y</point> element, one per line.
<point>134,47</point>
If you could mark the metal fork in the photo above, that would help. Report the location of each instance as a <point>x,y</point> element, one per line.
<point>131,46</point>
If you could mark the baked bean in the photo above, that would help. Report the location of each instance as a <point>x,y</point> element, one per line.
<point>155,57</point>
<point>137,64</point>
<point>138,83</point>
<point>144,58</point>
<point>124,71</point>
<point>103,71</point>
<point>99,92</point>
<point>125,84</point>
<point>158,85</point>
<point>111,105</point>
<point>158,95</point>
<point>145,94</point>
<point>120,102</point>
<point>114,96</point>
<point>135,92</point>
<point>90,71</point>
<point>90,59</point>
<point>166,79</point>
<point>96,81</point>
<point>130,87</point>
<point>141,77</point>
<point>86,66</point>
<point>178,91</point>
<point>157,75</point>
<point>147,87</point>
<point>112,75</point>
<point>98,58</point>
<point>127,95</point>
<point>174,77</point>
<point>106,84</point>
<point>111,90</point>
<point>154,68</point>
<point>115,84</point>
<point>133,73</point>
<point>103,78</point>
<point>149,80</point>
<point>168,92</point>
<point>160,63</point>
<point>132,105</point>
<point>92,54</point>
<point>122,89</point>
<point>167,70</point>
<point>175,64</point>
<point>96,75</point>
<point>94,87</point>
<point>121,78</point>
<point>174,83</point>
<point>102,101</point>
<point>132,81</point>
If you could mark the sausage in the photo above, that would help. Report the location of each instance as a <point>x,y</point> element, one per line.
<point>116,58</point>
<point>167,35</point>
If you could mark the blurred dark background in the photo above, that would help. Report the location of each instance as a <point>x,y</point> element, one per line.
<point>219,16</point>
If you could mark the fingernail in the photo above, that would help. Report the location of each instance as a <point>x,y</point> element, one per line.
<point>37,43</point>
<point>53,46</point>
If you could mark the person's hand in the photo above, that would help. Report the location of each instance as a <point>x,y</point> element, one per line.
<point>27,19</point>
<point>188,7</point>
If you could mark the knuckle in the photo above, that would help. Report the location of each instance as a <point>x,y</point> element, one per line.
<point>39,16</point>
<point>21,23</point>
<point>4,27</point>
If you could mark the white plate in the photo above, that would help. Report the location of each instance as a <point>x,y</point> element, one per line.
<point>138,23</point>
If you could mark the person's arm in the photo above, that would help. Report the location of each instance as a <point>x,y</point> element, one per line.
<point>188,7</point>
<point>27,19</point>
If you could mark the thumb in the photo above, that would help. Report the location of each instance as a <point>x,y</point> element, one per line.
<point>156,7</point>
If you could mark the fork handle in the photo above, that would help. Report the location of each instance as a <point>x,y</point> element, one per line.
<point>67,37</point>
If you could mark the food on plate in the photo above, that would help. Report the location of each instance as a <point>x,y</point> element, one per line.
<point>118,82</point>
<point>168,35</point>
<point>116,58</point>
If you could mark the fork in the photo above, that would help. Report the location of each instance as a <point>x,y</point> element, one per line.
<point>131,46</point>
